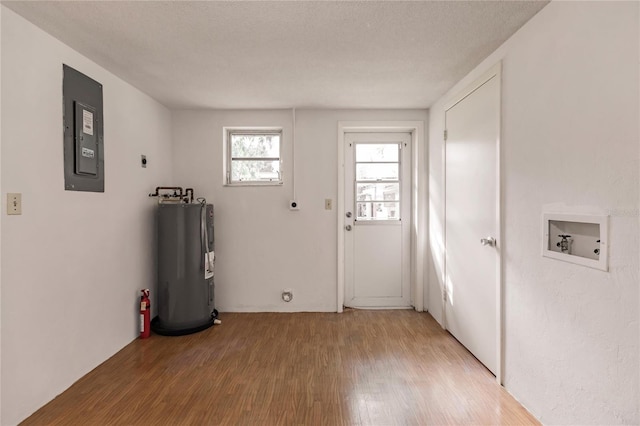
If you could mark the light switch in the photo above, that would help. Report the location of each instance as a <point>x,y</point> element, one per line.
<point>328,203</point>
<point>14,203</point>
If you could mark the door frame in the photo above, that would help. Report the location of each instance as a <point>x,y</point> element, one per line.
<point>493,72</point>
<point>418,216</point>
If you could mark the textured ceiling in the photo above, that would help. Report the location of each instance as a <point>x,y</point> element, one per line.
<point>264,54</point>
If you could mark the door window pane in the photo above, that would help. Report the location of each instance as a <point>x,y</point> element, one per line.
<point>378,211</point>
<point>376,171</point>
<point>377,191</point>
<point>377,186</point>
<point>376,152</point>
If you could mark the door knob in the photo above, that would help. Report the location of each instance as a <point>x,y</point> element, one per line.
<point>489,241</point>
<point>348,227</point>
<point>348,214</point>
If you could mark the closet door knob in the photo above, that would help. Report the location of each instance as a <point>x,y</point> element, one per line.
<point>489,241</point>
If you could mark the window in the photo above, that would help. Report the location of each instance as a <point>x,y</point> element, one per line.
<point>377,181</point>
<point>253,157</point>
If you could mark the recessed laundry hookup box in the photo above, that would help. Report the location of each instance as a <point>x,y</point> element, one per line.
<point>576,238</point>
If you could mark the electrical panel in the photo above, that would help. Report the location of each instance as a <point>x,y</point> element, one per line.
<point>83,132</point>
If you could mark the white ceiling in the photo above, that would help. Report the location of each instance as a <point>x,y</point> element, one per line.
<point>373,54</point>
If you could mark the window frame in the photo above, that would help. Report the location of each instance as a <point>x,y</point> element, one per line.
<point>229,132</point>
<point>357,181</point>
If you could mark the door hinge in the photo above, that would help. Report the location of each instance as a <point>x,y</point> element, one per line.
<point>445,134</point>
<point>444,296</point>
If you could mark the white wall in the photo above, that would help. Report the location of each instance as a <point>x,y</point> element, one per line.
<point>1,204</point>
<point>261,246</point>
<point>73,262</point>
<point>570,143</point>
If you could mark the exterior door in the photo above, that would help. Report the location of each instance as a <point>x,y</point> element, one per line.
<point>377,216</point>
<point>472,220</point>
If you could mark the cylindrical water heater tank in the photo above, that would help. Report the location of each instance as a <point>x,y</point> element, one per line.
<point>185,296</point>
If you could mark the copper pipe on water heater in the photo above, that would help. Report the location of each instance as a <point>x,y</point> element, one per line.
<point>175,189</point>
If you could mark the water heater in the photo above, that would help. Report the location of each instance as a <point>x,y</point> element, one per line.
<point>185,296</point>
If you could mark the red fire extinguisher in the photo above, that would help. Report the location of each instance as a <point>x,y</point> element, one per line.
<point>145,314</point>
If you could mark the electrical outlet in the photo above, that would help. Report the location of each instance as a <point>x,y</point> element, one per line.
<point>328,204</point>
<point>14,203</point>
<point>143,161</point>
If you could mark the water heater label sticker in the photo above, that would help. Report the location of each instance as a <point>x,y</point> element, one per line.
<point>87,122</point>
<point>89,153</point>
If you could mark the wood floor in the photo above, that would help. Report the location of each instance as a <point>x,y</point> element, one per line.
<point>355,368</point>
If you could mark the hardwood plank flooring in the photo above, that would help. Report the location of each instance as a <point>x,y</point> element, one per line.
<point>355,368</point>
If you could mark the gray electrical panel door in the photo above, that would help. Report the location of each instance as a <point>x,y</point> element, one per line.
<point>185,294</point>
<point>83,132</point>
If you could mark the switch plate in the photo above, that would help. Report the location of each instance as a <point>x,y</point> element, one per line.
<point>143,161</point>
<point>328,204</point>
<point>14,203</point>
